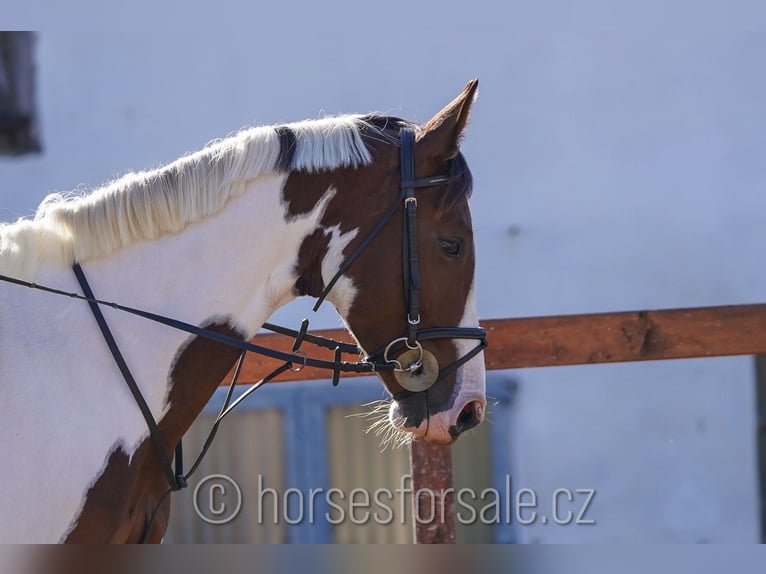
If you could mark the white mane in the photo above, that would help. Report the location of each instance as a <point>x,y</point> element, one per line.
<point>149,204</point>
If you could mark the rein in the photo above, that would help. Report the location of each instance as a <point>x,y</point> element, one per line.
<point>371,364</point>
<point>415,374</point>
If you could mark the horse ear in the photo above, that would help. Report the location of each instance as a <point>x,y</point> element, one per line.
<point>440,138</point>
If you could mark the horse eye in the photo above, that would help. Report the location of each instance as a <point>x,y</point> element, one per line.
<point>451,247</point>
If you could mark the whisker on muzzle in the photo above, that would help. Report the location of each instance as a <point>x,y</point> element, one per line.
<point>492,402</point>
<point>381,426</point>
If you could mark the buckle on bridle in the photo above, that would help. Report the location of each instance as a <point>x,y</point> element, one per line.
<point>301,354</point>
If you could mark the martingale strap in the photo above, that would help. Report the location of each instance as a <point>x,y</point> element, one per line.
<point>177,479</point>
<point>176,482</point>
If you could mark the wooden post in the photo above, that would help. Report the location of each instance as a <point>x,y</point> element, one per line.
<point>760,433</point>
<point>433,500</point>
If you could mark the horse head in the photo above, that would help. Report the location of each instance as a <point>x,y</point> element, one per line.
<point>398,264</point>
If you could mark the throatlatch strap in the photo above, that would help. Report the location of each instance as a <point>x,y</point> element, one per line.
<point>154,432</point>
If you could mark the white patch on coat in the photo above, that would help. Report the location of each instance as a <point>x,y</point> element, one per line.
<point>471,378</point>
<point>63,402</point>
<point>343,292</point>
<point>470,384</point>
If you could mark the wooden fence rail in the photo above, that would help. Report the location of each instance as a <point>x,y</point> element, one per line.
<point>581,339</point>
<point>557,341</point>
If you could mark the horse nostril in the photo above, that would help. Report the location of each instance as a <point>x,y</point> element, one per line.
<point>469,417</point>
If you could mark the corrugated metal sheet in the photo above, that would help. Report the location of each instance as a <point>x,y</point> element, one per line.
<point>472,468</point>
<point>248,446</point>
<point>251,446</point>
<point>356,461</point>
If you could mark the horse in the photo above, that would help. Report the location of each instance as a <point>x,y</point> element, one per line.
<point>370,212</point>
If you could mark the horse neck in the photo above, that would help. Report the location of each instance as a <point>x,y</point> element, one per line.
<point>228,272</point>
<point>236,265</point>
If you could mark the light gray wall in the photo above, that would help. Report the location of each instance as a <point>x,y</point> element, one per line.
<point>618,151</point>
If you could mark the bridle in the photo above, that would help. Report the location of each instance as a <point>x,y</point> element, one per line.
<point>414,367</point>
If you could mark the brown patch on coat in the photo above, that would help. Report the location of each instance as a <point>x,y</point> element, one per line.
<point>309,266</point>
<point>120,503</point>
